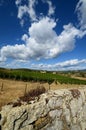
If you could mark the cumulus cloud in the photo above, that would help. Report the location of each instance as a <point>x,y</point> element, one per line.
<point>81,9</point>
<point>42,42</point>
<point>47,42</point>
<point>17,51</point>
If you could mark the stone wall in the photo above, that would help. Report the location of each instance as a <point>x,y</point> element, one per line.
<point>55,110</point>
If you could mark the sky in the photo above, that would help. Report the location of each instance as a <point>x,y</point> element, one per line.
<point>43,34</point>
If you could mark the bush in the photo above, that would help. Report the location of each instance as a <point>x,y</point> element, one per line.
<point>75,93</point>
<point>32,94</point>
<point>15,104</point>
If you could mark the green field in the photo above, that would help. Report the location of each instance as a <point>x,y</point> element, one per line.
<point>33,75</point>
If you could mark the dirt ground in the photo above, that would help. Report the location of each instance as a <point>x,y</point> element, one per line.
<point>10,90</point>
<point>81,78</point>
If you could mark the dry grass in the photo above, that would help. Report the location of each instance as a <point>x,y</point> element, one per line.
<point>15,89</point>
<point>30,95</point>
<point>75,93</point>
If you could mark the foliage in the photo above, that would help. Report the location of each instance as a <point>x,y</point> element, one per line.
<point>32,75</point>
<point>33,93</point>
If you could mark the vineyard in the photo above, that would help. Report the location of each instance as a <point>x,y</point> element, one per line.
<point>32,75</point>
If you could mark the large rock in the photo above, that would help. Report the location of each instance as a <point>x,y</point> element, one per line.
<point>55,110</point>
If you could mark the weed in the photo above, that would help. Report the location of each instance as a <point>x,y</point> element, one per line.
<point>32,94</point>
<point>15,104</point>
<point>75,93</point>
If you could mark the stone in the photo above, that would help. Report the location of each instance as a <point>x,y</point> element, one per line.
<point>54,110</point>
<point>55,113</point>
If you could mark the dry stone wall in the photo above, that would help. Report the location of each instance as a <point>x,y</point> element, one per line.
<point>55,110</point>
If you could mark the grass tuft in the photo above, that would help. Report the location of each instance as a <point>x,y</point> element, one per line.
<point>33,93</point>
<point>75,93</point>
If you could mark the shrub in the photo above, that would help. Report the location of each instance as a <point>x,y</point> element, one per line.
<point>33,93</point>
<point>15,104</point>
<point>75,93</point>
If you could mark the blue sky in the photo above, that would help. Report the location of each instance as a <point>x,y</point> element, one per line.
<point>43,34</point>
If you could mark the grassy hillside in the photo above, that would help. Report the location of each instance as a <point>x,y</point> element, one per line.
<point>31,75</point>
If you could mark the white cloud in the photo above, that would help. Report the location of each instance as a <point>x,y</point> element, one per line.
<point>15,52</point>
<point>18,2</point>
<point>27,10</point>
<point>22,22</point>
<point>22,10</point>
<point>73,64</point>
<point>45,43</point>
<point>42,42</point>
<point>16,64</point>
<point>70,63</point>
<point>31,9</point>
<point>51,10</point>
<point>81,9</point>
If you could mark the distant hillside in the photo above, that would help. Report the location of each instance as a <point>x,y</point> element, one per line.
<point>42,76</point>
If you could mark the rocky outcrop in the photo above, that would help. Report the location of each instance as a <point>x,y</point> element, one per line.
<point>55,110</point>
